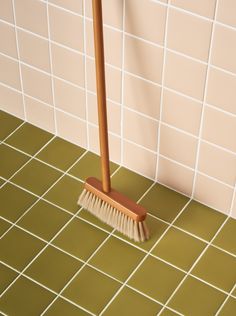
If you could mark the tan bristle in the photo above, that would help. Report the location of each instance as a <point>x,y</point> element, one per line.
<point>105,212</point>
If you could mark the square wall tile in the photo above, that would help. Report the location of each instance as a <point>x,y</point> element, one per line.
<point>219,128</point>
<point>143,59</point>
<point>72,5</point>
<point>112,12</point>
<point>175,176</point>
<point>133,159</point>
<point>178,146</point>
<point>7,275</point>
<point>6,11</point>
<point>136,22</point>
<point>189,34</point>
<point>37,84</point>
<point>68,65</point>
<point>181,112</point>
<point>112,44</point>
<point>221,90</point>
<point>10,74</point>
<point>140,130</point>
<point>233,214</point>
<point>226,237</point>
<point>63,306</point>
<point>40,114</point>
<point>8,46</point>
<point>213,193</point>
<point>34,50</point>
<point>8,123</point>
<point>66,28</point>
<point>66,127</point>
<point>113,81</point>
<point>225,13</point>
<point>185,75</point>
<point>142,96</point>
<point>211,160</point>
<point>36,21</point>
<point>11,101</point>
<point>202,7</point>
<point>223,48</point>
<point>69,98</point>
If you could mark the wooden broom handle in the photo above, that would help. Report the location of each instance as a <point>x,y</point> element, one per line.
<point>101,94</point>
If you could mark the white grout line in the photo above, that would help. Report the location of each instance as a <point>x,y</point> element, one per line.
<point>232,202</point>
<point>204,101</point>
<point>225,301</point>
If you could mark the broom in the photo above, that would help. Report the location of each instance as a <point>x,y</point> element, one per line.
<point>98,197</point>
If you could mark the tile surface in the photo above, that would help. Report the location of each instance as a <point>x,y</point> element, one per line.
<point>226,239</point>
<point>7,275</point>
<point>4,226</point>
<point>8,124</point>
<point>229,307</point>
<point>62,306</point>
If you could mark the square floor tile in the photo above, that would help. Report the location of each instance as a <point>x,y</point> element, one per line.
<point>66,193</point>
<point>179,248</point>
<point>60,153</point>
<point>156,229</point>
<point>129,302</point>
<point>94,220</point>
<point>7,275</point>
<point>29,138</point>
<point>18,248</point>
<point>1,182</point>
<point>62,307</point>
<point>163,202</point>
<point>196,298</point>
<point>89,166</point>
<point>200,220</point>
<point>108,257</point>
<point>229,308</point>
<point>80,239</point>
<point>226,238</point>
<point>36,177</point>
<point>11,161</point>
<point>25,298</point>
<point>12,208</point>
<point>130,183</point>
<point>3,226</point>
<point>156,279</point>
<point>167,312</point>
<point>91,289</point>
<point>8,124</point>
<point>44,220</point>
<point>53,268</point>
<point>218,268</point>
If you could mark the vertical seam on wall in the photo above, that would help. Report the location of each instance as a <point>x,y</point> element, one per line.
<point>162,92</point>
<point>51,69</point>
<point>204,101</point>
<point>85,75</point>
<point>232,201</point>
<point>19,59</point>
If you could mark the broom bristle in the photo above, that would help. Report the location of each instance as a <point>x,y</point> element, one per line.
<point>137,231</point>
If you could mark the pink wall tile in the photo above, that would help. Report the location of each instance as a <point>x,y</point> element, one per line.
<point>11,101</point>
<point>6,11</point>
<point>8,46</point>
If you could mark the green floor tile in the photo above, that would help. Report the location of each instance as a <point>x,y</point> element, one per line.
<point>44,220</point>
<point>11,161</point>
<point>156,279</point>
<point>80,239</point>
<point>89,166</point>
<point>91,289</point>
<point>62,307</point>
<point>129,302</point>
<point>163,202</point>
<point>1,182</point>
<point>3,226</point>
<point>60,153</point>
<point>130,183</point>
<point>229,308</point>
<point>7,275</point>
<point>108,258</point>
<point>168,312</point>
<point>29,138</point>
<point>195,298</point>
<point>12,208</point>
<point>179,248</point>
<point>218,268</point>
<point>226,238</point>
<point>18,248</point>
<point>66,193</point>
<point>94,220</point>
<point>25,298</point>
<point>53,268</point>
<point>200,220</point>
<point>8,124</point>
<point>36,177</point>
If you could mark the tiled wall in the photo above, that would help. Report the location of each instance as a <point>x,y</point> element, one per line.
<point>171,84</point>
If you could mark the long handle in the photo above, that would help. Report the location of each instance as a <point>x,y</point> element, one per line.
<point>101,94</point>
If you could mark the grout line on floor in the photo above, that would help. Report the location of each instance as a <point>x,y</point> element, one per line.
<point>226,300</point>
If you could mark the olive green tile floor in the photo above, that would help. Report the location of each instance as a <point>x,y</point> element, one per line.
<point>58,260</point>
